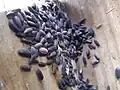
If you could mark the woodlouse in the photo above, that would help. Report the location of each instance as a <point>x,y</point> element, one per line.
<point>84,61</point>
<point>91,46</point>
<point>13,26</point>
<point>17,21</point>
<point>108,87</point>
<point>117,72</point>
<point>42,64</point>
<point>24,53</point>
<point>91,32</point>
<point>43,50</point>
<point>88,54</point>
<point>96,43</point>
<point>49,62</point>
<point>26,68</point>
<point>83,21</point>
<point>39,74</point>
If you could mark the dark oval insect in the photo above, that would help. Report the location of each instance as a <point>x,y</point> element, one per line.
<point>59,83</point>
<point>34,32</point>
<point>92,88</point>
<point>43,50</point>
<point>33,50</point>
<point>21,17</point>
<point>28,42</point>
<point>62,45</point>
<point>43,40</point>
<point>20,35</point>
<point>84,28</point>
<point>91,46</point>
<point>38,45</point>
<point>117,72</point>
<point>80,74</point>
<point>13,26</point>
<point>53,32</point>
<point>34,19</point>
<point>17,21</point>
<point>10,14</point>
<point>88,54</point>
<point>96,43</point>
<point>47,45</point>
<point>63,82</point>
<point>42,64</point>
<point>39,74</point>
<point>38,36</point>
<point>76,60</point>
<point>25,25</point>
<point>96,57</point>
<point>43,25</point>
<point>48,36</point>
<point>87,81</point>
<point>32,10</point>
<point>29,18</point>
<point>88,41</point>
<point>42,33</point>
<point>39,18</point>
<point>91,32</point>
<point>47,30</point>
<point>28,30</point>
<point>27,13</point>
<point>24,53</point>
<point>57,61</point>
<point>49,62</point>
<point>44,18</point>
<point>82,22</point>
<point>52,48</point>
<point>32,24</point>
<point>52,55</point>
<point>44,7</point>
<point>108,87</point>
<point>35,8</point>
<point>94,61</point>
<point>26,68</point>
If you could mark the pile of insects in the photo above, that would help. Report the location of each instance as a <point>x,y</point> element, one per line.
<point>48,32</point>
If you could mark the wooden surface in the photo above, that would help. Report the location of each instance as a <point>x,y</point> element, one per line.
<point>104,12</point>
